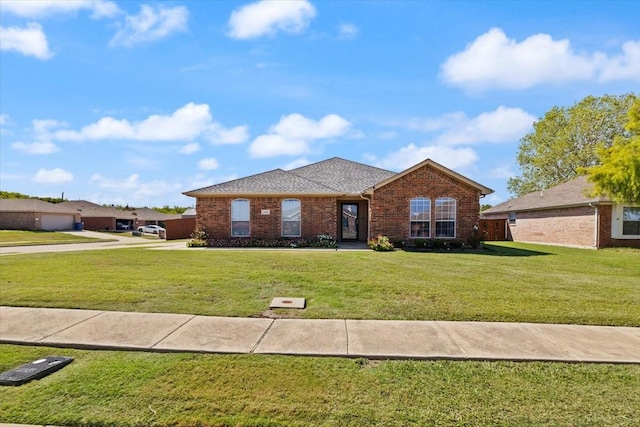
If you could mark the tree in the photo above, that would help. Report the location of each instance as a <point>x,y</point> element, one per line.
<point>618,174</point>
<point>566,140</point>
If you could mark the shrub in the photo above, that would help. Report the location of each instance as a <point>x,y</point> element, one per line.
<point>476,238</point>
<point>455,244</point>
<point>198,239</point>
<point>439,244</point>
<point>421,243</point>
<point>380,243</point>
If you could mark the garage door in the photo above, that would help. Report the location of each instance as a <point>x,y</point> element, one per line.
<point>57,222</point>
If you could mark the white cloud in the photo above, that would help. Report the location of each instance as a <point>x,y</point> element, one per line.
<point>45,8</point>
<point>29,41</point>
<point>4,119</point>
<point>53,176</point>
<point>186,124</point>
<point>293,134</point>
<point>296,164</point>
<point>41,147</point>
<point>502,125</point>
<point>152,23</point>
<point>267,17</point>
<point>42,136</point>
<point>502,172</point>
<point>452,158</point>
<point>190,148</point>
<point>208,164</point>
<point>138,192</point>
<point>348,31</point>
<point>495,61</point>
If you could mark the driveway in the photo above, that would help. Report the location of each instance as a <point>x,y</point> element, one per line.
<point>117,241</point>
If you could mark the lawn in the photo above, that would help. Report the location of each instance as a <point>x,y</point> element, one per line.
<point>103,388</point>
<point>25,238</point>
<point>508,282</point>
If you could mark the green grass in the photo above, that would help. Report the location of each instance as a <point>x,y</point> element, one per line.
<point>147,389</point>
<point>27,238</point>
<point>509,282</point>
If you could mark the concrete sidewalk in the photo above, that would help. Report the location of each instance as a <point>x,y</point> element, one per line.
<point>376,339</point>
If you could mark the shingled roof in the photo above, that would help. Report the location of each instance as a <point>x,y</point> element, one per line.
<point>334,177</point>
<point>32,205</point>
<point>571,193</point>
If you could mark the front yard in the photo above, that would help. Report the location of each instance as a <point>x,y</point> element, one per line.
<point>510,282</point>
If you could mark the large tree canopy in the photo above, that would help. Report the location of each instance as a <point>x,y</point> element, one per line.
<point>566,140</point>
<point>618,174</point>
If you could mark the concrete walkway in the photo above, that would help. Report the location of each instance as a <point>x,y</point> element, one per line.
<point>376,339</point>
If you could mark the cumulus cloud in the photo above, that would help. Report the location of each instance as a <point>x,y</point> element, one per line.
<point>190,148</point>
<point>502,125</point>
<point>44,8</point>
<point>186,124</point>
<point>452,158</point>
<point>294,133</point>
<point>29,40</point>
<point>52,176</point>
<point>208,164</point>
<point>138,192</point>
<point>297,163</point>
<point>42,138</point>
<point>495,61</point>
<point>267,17</point>
<point>38,147</point>
<point>151,24</point>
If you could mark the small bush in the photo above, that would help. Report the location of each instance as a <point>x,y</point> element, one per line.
<point>421,243</point>
<point>455,244</point>
<point>476,238</point>
<point>439,244</point>
<point>380,243</point>
<point>198,239</point>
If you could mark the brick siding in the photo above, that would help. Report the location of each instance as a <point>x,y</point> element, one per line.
<point>390,204</point>
<point>19,221</point>
<point>318,216</point>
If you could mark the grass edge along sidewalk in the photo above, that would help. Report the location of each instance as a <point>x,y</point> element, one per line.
<point>509,283</point>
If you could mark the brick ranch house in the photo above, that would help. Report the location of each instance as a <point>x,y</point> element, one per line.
<point>566,215</point>
<point>348,200</point>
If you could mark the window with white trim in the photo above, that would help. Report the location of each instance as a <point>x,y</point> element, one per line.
<point>420,217</point>
<point>630,221</point>
<point>291,218</point>
<point>240,218</point>
<point>445,217</point>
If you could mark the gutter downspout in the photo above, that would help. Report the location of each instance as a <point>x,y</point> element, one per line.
<point>596,226</point>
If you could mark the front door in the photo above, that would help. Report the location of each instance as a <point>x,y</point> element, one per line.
<point>349,221</point>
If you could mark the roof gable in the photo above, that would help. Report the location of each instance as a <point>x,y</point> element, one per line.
<point>344,176</point>
<point>428,162</point>
<point>570,193</point>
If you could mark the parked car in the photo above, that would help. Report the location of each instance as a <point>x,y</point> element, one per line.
<point>155,229</point>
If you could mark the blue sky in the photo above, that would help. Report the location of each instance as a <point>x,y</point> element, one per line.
<point>133,102</point>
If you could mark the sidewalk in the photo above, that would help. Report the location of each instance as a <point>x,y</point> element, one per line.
<point>376,339</point>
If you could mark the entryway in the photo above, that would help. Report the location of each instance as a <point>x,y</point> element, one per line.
<point>349,229</point>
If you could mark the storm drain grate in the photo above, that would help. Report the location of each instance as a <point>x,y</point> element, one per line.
<point>34,370</point>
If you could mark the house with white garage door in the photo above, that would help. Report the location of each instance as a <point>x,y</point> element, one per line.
<point>34,214</point>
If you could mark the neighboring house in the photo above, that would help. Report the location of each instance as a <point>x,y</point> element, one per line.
<point>566,215</point>
<point>348,200</point>
<point>108,218</point>
<point>101,218</point>
<point>34,214</point>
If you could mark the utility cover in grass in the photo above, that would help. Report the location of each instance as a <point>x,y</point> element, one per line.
<point>286,302</point>
<point>34,370</point>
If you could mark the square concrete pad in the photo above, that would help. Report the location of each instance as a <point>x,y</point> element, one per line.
<point>217,335</point>
<point>308,337</point>
<point>498,340</point>
<point>594,343</point>
<point>397,338</point>
<point>285,302</point>
<point>114,329</point>
<point>32,324</point>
